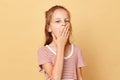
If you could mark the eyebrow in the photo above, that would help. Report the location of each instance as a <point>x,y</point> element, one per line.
<point>60,18</point>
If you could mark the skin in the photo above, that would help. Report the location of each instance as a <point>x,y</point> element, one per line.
<point>59,27</point>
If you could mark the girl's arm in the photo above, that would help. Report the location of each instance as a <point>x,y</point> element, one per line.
<point>79,74</point>
<point>55,71</point>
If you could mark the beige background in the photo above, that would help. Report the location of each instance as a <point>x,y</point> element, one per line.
<point>96,30</point>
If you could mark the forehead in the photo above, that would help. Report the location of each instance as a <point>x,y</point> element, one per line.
<point>60,13</point>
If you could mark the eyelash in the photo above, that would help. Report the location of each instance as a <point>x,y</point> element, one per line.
<point>67,21</point>
<point>59,21</point>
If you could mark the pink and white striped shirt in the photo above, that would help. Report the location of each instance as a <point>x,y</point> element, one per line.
<point>71,62</point>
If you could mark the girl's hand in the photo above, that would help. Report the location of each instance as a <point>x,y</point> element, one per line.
<point>62,38</point>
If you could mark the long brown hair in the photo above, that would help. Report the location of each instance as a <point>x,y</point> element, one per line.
<point>48,16</point>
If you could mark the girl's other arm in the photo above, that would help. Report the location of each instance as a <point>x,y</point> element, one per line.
<point>79,74</point>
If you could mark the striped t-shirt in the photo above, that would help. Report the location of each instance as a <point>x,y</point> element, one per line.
<point>71,62</point>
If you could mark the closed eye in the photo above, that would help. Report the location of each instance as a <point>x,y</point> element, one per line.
<point>57,21</point>
<point>67,20</point>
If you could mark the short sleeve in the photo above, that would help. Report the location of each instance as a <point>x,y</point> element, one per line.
<point>80,59</point>
<point>43,58</point>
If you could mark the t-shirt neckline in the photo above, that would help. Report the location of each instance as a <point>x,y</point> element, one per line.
<point>66,57</point>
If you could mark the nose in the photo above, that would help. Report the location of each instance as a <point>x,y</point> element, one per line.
<point>63,23</point>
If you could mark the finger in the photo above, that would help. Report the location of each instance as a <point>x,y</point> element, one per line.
<point>59,33</point>
<point>66,31</point>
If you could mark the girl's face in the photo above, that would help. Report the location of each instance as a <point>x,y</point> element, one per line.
<point>59,20</point>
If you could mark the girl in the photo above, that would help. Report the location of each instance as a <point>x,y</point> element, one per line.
<point>58,58</point>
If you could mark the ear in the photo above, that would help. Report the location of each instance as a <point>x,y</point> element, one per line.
<point>49,29</point>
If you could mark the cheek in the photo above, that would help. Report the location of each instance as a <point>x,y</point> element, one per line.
<point>69,26</point>
<point>55,30</point>
<point>58,29</point>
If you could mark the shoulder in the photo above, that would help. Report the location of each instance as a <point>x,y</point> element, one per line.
<point>76,48</point>
<point>41,50</point>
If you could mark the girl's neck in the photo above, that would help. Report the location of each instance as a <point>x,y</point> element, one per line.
<point>66,49</point>
<point>54,47</point>
<point>52,44</point>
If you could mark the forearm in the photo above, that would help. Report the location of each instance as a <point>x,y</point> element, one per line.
<point>79,74</point>
<point>80,78</point>
<point>58,65</point>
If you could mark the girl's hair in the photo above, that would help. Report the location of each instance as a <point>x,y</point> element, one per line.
<point>48,16</point>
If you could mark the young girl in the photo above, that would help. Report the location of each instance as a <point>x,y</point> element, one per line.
<point>58,58</point>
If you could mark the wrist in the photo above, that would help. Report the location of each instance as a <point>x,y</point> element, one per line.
<point>60,48</point>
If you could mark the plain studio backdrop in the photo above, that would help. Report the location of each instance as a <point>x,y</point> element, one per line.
<point>96,30</point>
